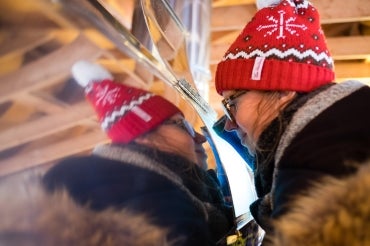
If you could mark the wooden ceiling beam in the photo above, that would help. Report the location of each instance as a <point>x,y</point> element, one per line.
<point>231,17</point>
<point>223,3</point>
<point>42,104</point>
<point>349,48</point>
<point>339,11</point>
<point>50,10</point>
<point>35,75</point>
<point>235,17</point>
<point>126,66</point>
<point>16,113</point>
<point>353,70</point>
<point>46,125</point>
<point>52,152</point>
<point>15,42</point>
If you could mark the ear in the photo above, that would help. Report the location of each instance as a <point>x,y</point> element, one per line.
<point>149,140</point>
<point>142,140</point>
<point>287,96</point>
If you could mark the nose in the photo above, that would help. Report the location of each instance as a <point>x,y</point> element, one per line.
<point>199,138</point>
<point>230,126</point>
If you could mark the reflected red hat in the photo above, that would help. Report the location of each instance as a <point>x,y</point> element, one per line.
<point>124,112</point>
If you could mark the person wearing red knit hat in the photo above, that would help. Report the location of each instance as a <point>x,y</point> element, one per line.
<point>304,131</point>
<point>127,113</point>
<point>124,112</point>
<point>152,167</point>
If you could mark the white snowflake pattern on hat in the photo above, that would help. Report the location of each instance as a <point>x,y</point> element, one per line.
<point>106,95</point>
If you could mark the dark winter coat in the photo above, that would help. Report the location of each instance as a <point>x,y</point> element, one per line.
<point>169,189</point>
<point>326,135</point>
<point>30,216</point>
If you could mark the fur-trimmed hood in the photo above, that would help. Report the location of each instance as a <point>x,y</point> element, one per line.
<point>30,216</point>
<point>334,212</point>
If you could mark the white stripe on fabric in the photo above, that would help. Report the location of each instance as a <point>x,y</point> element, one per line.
<point>257,68</point>
<point>280,54</point>
<point>141,113</point>
<point>109,119</point>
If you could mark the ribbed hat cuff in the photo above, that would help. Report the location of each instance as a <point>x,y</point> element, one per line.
<point>130,126</point>
<point>275,75</point>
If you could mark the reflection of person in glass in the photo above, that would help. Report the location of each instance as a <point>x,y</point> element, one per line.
<point>151,166</point>
<point>280,98</point>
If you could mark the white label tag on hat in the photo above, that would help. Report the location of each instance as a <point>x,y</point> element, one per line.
<point>141,113</point>
<point>257,68</point>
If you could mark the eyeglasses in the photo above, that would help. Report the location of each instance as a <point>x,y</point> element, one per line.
<point>183,124</point>
<point>228,104</point>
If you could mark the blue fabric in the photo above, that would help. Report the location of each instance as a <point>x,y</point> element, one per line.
<point>220,171</point>
<point>234,141</point>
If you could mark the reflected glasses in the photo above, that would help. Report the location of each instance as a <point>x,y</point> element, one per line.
<point>228,104</point>
<point>183,124</point>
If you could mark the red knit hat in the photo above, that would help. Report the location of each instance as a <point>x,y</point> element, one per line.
<point>124,112</point>
<point>282,48</point>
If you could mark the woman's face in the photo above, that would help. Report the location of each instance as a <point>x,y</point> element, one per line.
<point>250,117</point>
<point>171,136</point>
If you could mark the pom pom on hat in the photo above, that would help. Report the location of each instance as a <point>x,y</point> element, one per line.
<point>282,48</point>
<point>124,112</point>
<point>85,72</point>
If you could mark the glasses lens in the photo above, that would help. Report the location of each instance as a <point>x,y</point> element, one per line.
<point>226,104</point>
<point>188,127</point>
<point>183,124</point>
<point>226,108</point>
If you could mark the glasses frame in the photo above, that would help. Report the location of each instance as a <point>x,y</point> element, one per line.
<point>183,124</point>
<point>227,104</point>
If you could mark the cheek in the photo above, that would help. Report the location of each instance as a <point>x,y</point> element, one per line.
<point>246,116</point>
<point>182,144</point>
<point>180,137</point>
<point>187,150</point>
<point>187,145</point>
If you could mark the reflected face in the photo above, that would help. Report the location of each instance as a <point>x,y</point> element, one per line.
<point>180,138</point>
